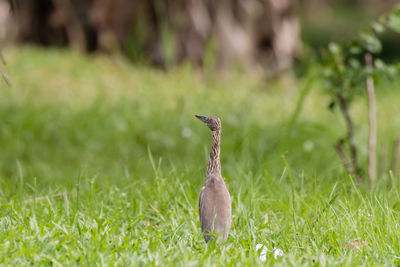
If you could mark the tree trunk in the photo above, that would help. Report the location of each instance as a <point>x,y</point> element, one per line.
<point>252,33</point>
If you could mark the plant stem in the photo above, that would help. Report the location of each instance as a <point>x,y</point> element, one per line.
<point>383,161</point>
<point>372,123</point>
<point>300,102</point>
<point>350,136</point>
<point>347,163</point>
<point>395,157</point>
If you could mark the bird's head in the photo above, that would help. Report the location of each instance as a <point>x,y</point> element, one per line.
<point>214,123</point>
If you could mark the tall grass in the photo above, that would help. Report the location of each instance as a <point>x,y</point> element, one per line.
<point>101,163</point>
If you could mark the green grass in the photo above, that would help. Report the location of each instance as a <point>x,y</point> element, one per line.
<point>102,162</point>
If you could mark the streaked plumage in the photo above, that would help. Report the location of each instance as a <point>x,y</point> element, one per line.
<point>214,202</point>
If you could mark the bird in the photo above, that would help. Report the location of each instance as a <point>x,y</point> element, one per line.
<point>215,208</point>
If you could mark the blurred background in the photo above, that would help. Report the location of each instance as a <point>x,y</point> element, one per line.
<point>101,85</point>
<point>259,35</point>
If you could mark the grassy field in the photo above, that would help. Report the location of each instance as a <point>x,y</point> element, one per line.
<point>102,163</point>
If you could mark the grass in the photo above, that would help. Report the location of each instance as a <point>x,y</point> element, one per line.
<point>102,162</point>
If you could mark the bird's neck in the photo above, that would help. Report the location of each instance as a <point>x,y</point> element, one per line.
<point>214,164</point>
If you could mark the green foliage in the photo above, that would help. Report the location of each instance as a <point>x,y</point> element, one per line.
<point>123,142</point>
<point>344,70</point>
<point>393,20</point>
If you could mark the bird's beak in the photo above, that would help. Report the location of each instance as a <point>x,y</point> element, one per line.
<point>202,118</point>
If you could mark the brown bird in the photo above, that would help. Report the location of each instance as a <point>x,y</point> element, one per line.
<point>215,202</point>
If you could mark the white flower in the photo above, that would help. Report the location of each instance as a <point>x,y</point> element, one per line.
<point>278,252</point>
<point>263,254</point>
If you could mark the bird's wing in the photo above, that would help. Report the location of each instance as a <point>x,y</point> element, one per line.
<point>206,215</point>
